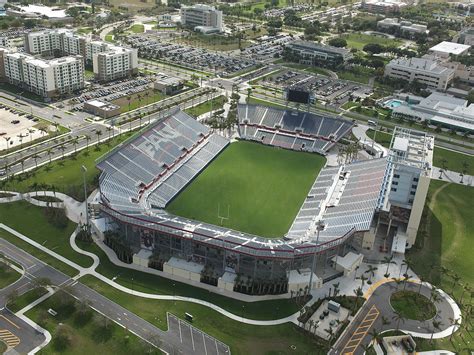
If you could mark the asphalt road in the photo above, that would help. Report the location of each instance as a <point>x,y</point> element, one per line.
<point>377,307</point>
<point>172,341</point>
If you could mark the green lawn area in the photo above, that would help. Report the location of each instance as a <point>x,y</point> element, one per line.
<point>39,229</point>
<point>307,68</point>
<point>66,269</point>
<point>25,299</point>
<point>445,242</point>
<point>86,331</point>
<point>261,187</point>
<point>454,160</point>
<point>139,100</point>
<point>412,305</point>
<point>242,338</point>
<point>141,281</point>
<point>217,104</point>
<point>65,175</point>
<point>85,30</point>
<point>256,101</point>
<point>359,40</point>
<point>357,73</point>
<point>137,28</point>
<point>109,38</point>
<point>7,275</point>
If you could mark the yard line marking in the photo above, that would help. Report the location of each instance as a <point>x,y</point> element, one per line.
<point>9,321</point>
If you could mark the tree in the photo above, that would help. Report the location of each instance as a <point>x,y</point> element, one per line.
<point>50,152</point>
<point>337,42</point>
<point>88,138</point>
<point>436,326</point>
<point>398,317</point>
<point>358,293</point>
<point>371,271</point>
<point>388,260</point>
<point>336,289</point>
<point>455,322</point>
<point>373,48</point>
<point>98,134</point>
<point>75,142</point>
<point>470,97</point>
<point>362,278</point>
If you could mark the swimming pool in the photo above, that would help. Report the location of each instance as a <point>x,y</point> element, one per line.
<point>393,103</point>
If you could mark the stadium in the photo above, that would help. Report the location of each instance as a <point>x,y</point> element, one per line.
<point>258,214</point>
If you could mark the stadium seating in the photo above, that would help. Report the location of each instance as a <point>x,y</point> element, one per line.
<point>289,129</point>
<point>158,163</point>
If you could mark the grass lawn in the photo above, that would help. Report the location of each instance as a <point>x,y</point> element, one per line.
<point>411,305</point>
<point>263,187</point>
<point>454,160</point>
<point>139,100</point>
<point>359,40</point>
<point>217,104</point>
<point>25,299</point>
<point>242,338</point>
<point>7,275</point>
<point>109,38</point>
<point>66,269</point>
<point>87,332</point>
<point>357,73</point>
<point>39,229</point>
<point>85,30</point>
<point>140,281</point>
<point>256,101</point>
<point>445,240</point>
<point>137,28</point>
<point>66,174</point>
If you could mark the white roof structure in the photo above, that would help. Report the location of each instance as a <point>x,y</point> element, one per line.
<point>450,48</point>
<point>50,12</point>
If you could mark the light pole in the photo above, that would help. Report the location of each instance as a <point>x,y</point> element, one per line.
<point>84,171</point>
<point>319,227</point>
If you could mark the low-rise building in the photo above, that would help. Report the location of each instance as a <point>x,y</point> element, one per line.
<point>425,71</point>
<point>445,49</point>
<point>201,15</point>
<point>311,53</point>
<point>101,108</point>
<point>382,6</point>
<point>168,85</point>
<point>467,36</point>
<point>401,28</point>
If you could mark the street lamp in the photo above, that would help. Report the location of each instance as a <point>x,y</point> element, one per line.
<point>319,227</point>
<point>84,171</point>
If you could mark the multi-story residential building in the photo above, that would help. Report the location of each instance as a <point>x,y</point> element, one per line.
<point>116,62</point>
<point>382,6</point>
<point>425,71</point>
<point>401,28</point>
<point>57,42</point>
<point>311,53</point>
<point>47,78</point>
<point>201,15</point>
<point>4,41</point>
<point>467,36</point>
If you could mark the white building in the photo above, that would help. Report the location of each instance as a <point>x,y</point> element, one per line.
<point>445,49</point>
<point>4,42</point>
<point>402,28</point>
<point>382,6</point>
<point>201,15</point>
<point>56,42</point>
<point>47,78</point>
<point>425,71</point>
<point>115,62</point>
<point>439,109</point>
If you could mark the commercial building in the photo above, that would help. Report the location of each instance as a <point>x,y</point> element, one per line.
<point>445,49</point>
<point>425,71</point>
<point>466,36</point>
<point>382,6</point>
<point>311,53</point>
<point>438,109</point>
<point>201,15</point>
<point>46,78</point>
<point>101,108</point>
<point>114,63</point>
<point>168,85</point>
<point>401,28</point>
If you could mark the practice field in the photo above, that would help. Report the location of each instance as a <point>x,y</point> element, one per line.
<point>259,188</point>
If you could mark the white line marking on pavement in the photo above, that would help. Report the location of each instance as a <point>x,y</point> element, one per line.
<point>180,336</point>
<point>204,341</point>
<point>192,339</point>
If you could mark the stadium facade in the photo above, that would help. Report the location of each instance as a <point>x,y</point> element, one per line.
<point>339,217</point>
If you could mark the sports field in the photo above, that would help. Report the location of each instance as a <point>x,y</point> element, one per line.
<point>261,187</point>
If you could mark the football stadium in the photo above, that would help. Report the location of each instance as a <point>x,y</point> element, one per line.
<point>262,213</point>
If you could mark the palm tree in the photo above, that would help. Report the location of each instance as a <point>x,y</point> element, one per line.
<point>436,326</point>
<point>388,260</point>
<point>465,169</point>
<point>362,278</point>
<point>406,262</point>
<point>371,271</point>
<point>330,333</point>
<point>464,289</point>
<point>405,280</point>
<point>98,134</point>
<point>336,289</point>
<point>50,152</point>
<point>455,278</point>
<point>455,322</point>
<point>129,98</point>
<point>88,138</point>
<point>399,318</point>
<point>358,293</point>
<point>376,336</point>
<point>75,142</point>
<point>62,148</point>
<point>35,158</point>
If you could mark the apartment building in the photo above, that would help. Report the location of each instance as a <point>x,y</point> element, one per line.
<point>201,15</point>
<point>311,53</point>
<point>47,78</point>
<point>4,41</point>
<point>58,42</point>
<point>425,71</point>
<point>114,63</point>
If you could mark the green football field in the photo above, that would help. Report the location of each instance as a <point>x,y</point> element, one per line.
<point>259,188</point>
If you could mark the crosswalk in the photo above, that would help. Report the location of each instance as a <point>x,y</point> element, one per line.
<point>10,339</point>
<point>361,331</point>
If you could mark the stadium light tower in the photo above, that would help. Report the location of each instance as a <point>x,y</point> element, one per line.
<point>319,227</point>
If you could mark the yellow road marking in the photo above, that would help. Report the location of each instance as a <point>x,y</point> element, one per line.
<point>360,334</point>
<point>9,338</point>
<point>9,321</point>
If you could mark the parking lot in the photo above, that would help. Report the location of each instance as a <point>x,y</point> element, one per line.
<point>268,47</point>
<point>328,90</point>
<point>16,127</point>
<point>193,338</point>
<point>191,57</point>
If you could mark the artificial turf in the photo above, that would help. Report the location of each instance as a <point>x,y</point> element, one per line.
<point>257,188</point>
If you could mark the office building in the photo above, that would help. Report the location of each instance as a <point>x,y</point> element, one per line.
<point>311,53</point>
<point>46,78</point>
<point>401,28</point>
<point>425,71</point>
<point>202,16</point>
<point>382,6</point>
<point>446,49</point>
